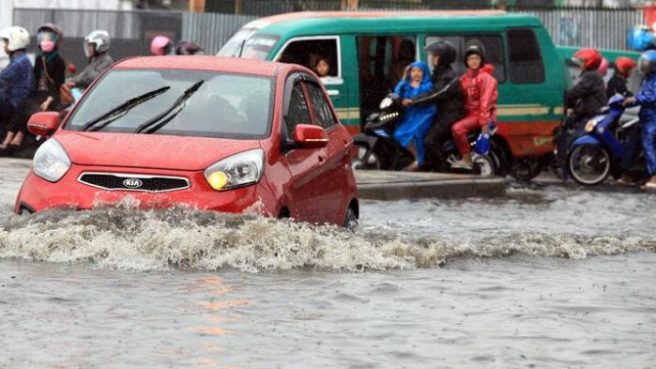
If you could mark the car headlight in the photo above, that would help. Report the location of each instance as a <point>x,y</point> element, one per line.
<point>590,125</point>
<point>236,171</point>
<point>51,161</point>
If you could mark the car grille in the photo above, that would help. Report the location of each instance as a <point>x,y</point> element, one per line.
<point>133,182</point>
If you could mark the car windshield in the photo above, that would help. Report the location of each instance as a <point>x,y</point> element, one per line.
<point>225,105</point>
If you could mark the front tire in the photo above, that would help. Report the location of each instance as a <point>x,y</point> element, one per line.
<point>589,165</point>
<point>351,219</point>
<point>525,169</point>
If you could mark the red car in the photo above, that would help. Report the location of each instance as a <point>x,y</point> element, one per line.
<point>221,134</point>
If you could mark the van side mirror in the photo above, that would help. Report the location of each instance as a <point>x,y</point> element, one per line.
<point>310,136</point>
<point>44,123</point>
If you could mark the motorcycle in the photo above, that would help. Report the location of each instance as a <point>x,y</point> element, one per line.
<point>608,142</point>
<point>377,149</point>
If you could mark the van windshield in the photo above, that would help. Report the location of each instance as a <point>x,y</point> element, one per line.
<point>234,45</point>
<point>220,105</point>
<point>257,46</point>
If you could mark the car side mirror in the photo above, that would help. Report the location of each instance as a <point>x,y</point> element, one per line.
<point>44,123</point>
<point>310,136</point>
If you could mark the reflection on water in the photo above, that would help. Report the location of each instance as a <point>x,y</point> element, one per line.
<point>548,279</point>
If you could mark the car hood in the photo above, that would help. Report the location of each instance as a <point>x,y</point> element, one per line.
<point>147,150</point>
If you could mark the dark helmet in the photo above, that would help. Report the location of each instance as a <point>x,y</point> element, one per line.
<point>188,48</point>
<point>445,50</point>
<point>51,27</point>
<point>475,49</point>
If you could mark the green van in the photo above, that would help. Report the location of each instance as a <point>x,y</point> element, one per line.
<point>367,53</point>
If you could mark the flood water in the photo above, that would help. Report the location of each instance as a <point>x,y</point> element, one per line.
<point>553,277</point>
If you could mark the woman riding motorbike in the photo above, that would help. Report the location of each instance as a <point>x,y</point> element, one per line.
<point>96,47</point>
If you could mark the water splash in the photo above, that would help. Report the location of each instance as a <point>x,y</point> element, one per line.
<point>123,238</point>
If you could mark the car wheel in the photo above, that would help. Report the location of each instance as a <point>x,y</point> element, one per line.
<point>589,164</point>
<point>525,169</point>
<point>351,219</point>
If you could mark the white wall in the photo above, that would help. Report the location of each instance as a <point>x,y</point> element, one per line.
<point>74,4</point>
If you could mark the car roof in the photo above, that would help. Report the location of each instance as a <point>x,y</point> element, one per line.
<point>204,63</point>
<point>348,22</point>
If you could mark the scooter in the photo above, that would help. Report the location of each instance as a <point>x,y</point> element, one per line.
<point>377,148</point>
<point>608,142</point>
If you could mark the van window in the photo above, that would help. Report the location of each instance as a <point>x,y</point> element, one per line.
<point>492,44</point>
<point>308,52</point>
<point>320,106</point>
<point>526,65</point>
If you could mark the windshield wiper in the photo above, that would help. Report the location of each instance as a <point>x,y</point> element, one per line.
<point>158,121</point>
<point>120,110</point>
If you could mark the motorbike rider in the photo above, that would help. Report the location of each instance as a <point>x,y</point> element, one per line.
<point>480,90</point>
<point>617,83</point>
<point>646,98</point>
<point>583,100</point>
<point>96,47</point>
<point>447,97</point>
<point>16,81</point>
<point>161,45</point>
<point>415,122</point>
<point>49,75</point>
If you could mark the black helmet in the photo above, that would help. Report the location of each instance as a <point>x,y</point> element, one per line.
<point>445,50</point>
<point>188,48</point>
<point>475,49</point>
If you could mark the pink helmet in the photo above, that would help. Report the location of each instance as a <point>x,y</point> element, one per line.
<point>160,45</point>
<point>603,67</point>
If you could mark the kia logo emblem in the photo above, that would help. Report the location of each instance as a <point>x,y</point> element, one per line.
<point>132,183</point>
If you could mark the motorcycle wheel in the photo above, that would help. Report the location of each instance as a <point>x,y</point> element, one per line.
<point>484,165</point>
<point>366,158</point>
<point>589,164</point>
<point>525,169</point>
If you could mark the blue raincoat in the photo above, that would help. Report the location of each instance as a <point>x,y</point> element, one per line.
<point>646,98</point>
<point>416,121</point>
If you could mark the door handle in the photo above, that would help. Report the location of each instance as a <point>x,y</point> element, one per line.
<point>321,159</point>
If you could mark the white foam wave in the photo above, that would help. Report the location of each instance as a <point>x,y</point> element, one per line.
<point>133,240</point>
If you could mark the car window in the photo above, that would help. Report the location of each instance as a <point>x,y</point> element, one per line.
<point>225,105</point>
<point>310,52</point>
<point>525,58</point>
<point>297,112</point>
<point>320,106</point>
<point>492,44</point>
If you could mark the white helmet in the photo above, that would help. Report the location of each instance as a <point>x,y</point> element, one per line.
<point>17,38</point>
<point>99,39</point>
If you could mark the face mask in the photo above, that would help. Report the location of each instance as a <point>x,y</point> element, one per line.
<point>88,50</point>
<point>47,46</point>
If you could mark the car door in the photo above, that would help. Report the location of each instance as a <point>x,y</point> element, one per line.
<point>335,169</point>
<point>304,190</point>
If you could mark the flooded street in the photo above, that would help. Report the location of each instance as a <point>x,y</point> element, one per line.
<point>553,277</point>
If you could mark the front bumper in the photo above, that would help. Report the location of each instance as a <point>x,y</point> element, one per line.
<point>38,194</point>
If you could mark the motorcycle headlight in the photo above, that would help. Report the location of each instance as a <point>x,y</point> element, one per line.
<point>236,171</point>
<point>51,161</point>
<point>590,125</point>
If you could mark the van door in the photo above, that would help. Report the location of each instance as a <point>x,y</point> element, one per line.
<point>382,60</point>
<point>533,102</point>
